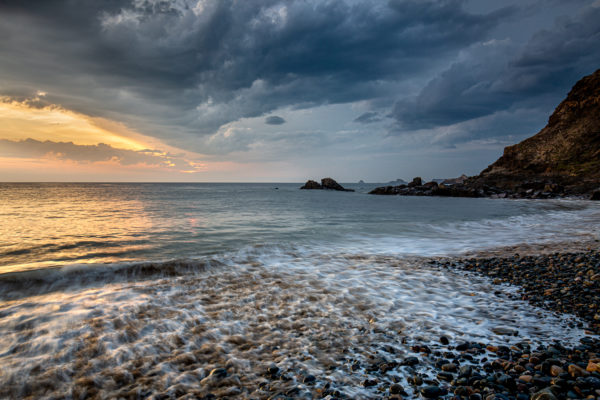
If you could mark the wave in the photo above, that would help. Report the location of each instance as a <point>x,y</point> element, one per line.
<point>101,247</point>
<point>565,223</point>
<point>44,280</point>
<point>325,315</point>
<point>556,223</point>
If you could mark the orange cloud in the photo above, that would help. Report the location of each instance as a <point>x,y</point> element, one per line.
<point>36,132</point>
<point>34,118</point>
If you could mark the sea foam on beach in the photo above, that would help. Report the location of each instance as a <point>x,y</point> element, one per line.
<point>329,317</point>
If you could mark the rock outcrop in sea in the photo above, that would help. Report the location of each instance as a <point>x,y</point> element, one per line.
<point>563,159</point>
<point>326,184</point>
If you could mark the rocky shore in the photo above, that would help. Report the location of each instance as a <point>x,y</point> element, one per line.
<point>562,160</point>
<point>525,188</point>
<point>563,283</point>
<point>312,340</point>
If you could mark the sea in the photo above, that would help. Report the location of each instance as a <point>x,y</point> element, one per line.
<point>156,290</point>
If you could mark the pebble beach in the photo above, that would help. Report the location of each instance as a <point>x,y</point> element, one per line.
<point>306,339</point>
<point>566,283</point>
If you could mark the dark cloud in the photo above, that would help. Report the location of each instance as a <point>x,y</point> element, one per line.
<point>502,75</point>
<point>368,118</point>
<point>274,120</point>
<point>184,70</point>
<point>31,148</point>
<point>189,67</point>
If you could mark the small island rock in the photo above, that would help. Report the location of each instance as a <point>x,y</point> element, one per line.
<point>326,183</point>
<point>312,185</point>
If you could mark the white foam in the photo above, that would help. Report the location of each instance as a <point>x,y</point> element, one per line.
<point>307,314</point>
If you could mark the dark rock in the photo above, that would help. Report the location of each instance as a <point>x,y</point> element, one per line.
<point>507,382</point>
<point>465,371</point>
<point>445,376</point>
<point>432,392</point>
<point>544,394</point>
<point>273,370</point>
<point>415,182</point>
<point>592,382</point>
<point>330,184</point>
<point>311,185</point>
<point>415,380</point>
<point>218,373</point>
<point>309,379</point>
<point>326,183</point>
<point>450,367</point>
<point>385,190</point>
<point>369,382</point>
<point>410,361</point>
<point>396,389</point>
<point>595,195</point>
<point>444,340</point>
<point>462,346</point>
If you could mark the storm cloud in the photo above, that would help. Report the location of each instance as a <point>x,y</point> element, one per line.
<point>193,72</point>
<point>194,66</point>
<point>500,75</point>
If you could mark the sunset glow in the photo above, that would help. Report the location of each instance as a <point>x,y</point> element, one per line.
<point>23,120</point>
<point>37,136</point>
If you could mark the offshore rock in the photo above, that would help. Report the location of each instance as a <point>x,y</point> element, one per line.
<point>327,184</point>
<point>311,185</point>
<point>331,184</point>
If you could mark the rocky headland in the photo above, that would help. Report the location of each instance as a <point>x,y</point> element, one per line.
<point>326,184</point>
<point>562,160</point>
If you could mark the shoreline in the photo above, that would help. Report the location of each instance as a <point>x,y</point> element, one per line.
<point>566,283</point>
<point>369,358</point>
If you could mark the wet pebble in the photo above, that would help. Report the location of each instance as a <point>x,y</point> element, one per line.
<point>432,392</point>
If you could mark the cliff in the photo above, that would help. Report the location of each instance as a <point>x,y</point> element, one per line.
<point>563,159</point>
<point>565,152</point>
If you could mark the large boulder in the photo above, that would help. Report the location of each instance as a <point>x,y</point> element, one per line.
<point>389,190</point>
<point>311,185</point>
<point>331,184</point>
<point>326,183</point>
<point>416,182</point>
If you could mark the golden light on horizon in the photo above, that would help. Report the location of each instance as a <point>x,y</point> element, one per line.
<point>65,144</point>
<point>22,120</point>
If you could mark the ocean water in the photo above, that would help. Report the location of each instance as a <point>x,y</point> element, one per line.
<point>140,290</point>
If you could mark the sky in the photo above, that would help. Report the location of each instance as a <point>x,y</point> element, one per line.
<point>280,91</point>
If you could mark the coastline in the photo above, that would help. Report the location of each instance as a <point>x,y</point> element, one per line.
<point>564,282</point>
<point>562,278</point>
<point>299,348</point>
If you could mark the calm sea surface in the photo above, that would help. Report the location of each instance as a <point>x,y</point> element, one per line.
<point>43,225</point>
<point>112,289</point>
